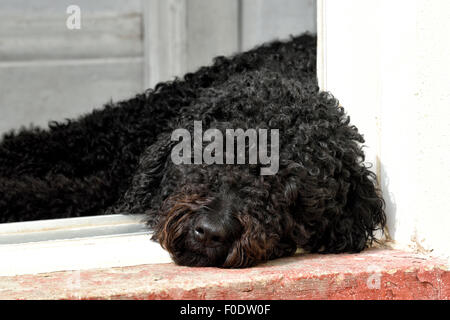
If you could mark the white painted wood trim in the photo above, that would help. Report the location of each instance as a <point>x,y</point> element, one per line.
<point>321,45</point>
<point>348,67</point>
<point>69,228</point>
<point>77,244</point>
<point>150,26</point>
<point>80,254</point>
<point>68,223</point>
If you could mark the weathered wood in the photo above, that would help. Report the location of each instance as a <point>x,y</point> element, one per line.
<point>165,40</point>
<point>173,36</point>
<point>181,35</point>
<point>53,90</point>
<point>265,20</point>
<point>22,7</point>
<point>40,31</point>
<point>212,30</point>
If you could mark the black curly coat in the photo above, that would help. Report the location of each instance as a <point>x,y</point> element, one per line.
<point>117,159</point>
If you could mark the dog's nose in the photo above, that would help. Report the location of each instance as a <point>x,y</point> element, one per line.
<point>210,232</point>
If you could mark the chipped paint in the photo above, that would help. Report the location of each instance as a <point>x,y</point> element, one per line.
<point>401,275</point>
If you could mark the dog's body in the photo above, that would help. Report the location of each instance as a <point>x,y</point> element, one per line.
<point>117,160</point>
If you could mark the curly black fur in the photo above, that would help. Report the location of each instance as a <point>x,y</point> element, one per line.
<point>117,159</point>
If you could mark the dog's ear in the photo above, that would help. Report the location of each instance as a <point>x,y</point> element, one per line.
<point>146,180</point>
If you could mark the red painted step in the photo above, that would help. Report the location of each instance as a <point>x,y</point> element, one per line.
<point>373,274</point>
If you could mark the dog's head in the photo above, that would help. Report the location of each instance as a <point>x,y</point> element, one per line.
<point>233,227</point>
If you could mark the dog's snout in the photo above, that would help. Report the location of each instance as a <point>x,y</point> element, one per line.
<point>210,232</point>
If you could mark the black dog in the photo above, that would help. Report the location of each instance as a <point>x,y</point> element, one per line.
<point>118,160</point>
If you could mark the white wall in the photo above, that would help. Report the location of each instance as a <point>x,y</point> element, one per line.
<point>388,63</point>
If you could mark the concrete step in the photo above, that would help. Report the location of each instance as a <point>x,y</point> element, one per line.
<point>372,274</point>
